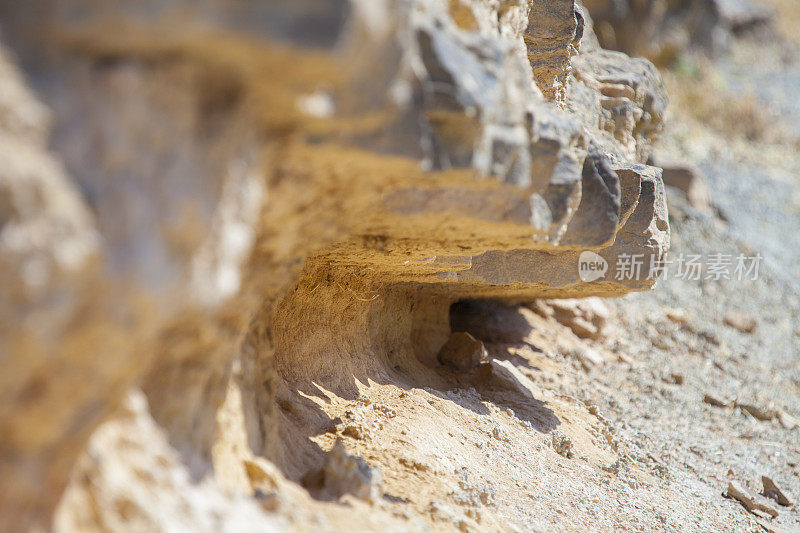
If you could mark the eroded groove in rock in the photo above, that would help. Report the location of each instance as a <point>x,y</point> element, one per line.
<point>553,36</point>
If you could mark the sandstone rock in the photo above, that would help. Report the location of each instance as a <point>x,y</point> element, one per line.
<point>554,160</point>
<point>625,98</point>
<point>130,478</point>
<point>552,37</point>
<point>511,144</point>
<point>462,351</point>
<point>506,375</point>
<point>564,164</point>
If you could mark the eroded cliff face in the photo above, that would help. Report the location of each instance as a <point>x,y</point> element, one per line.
<point>316,214</point>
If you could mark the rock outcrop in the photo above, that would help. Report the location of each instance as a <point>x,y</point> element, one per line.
<point>466,149</point>
<point>555,135</point>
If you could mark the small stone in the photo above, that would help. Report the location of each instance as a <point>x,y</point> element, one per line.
<point>740,321</point>
<point>759,413</point>
<point>709,336</point>
<point>356,431</point>
<point>413,464</point>
<point>588,357</point>
<point>583,328</point>
<point>771,490</point>
<point>615,467</point>
<point>748,499</point>
<point>622,358</point>
<point>486,495</point>
<point>586,317</point>
<point>679,316</point>
<point>715,401</point>
<point>500,434</point>
<point>504,374</point>
<point>441,512</point>
<point>787,420</point>
<point>265,481</point>
<point>562,444</point>
<point>677,379</point>
<point>345,474</point>
<point>462,351</point>
<point>690,181</point>
<point>662,342</point>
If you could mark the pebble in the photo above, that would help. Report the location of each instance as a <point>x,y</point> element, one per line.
<point>678,316</point>
<point>715,401</point>
<point>740,321</point>
<point>771,490</point>
<point>787,420</point>
<point>462,351</point>
<point>588,357</point>
<point>675,378</point>
<point>763,414</point>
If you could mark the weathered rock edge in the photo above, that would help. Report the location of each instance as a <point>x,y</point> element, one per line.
<point>553,128</point>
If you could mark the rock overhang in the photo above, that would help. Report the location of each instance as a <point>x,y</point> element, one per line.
<point>535,145</point>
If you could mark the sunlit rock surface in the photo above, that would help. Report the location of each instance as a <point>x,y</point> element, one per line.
<point>298,211</point>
